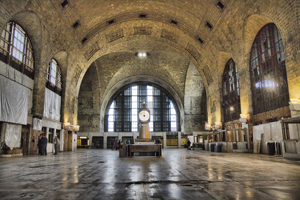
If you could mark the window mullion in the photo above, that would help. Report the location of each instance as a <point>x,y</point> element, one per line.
<point>24,53</point>
<point>11,46</point>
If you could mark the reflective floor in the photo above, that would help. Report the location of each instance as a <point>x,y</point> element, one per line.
<point>179,174</point>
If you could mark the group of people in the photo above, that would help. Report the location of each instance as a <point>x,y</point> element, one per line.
<point>42,144</point>
<point>117,144</point>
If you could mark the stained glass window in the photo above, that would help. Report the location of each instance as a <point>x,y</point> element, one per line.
<point>231,92</point>
<point>16,49</point>
<point>54,77</point>
<point>267,70</point>
<point>122,114</point>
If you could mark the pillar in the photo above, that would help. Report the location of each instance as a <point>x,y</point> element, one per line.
<point>179,139</point>
<point>165,139</point>
<point>105,140</point>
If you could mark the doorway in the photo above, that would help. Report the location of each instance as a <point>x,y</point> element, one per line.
<point>97,142</point>
<point>25,140</point>
<point>69,140</point>
<point>110,140</point>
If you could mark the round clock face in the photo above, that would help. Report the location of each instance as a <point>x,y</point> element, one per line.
<point>144,115</point>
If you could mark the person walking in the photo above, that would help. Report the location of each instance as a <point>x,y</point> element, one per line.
<point>44,143</point>
<point>56,143</point>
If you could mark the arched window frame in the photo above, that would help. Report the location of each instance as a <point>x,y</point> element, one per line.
<point>267,71</point>
<point>231,92</point>
<point>16,49</point>
<point>119,115</point>
<point>54,77</point>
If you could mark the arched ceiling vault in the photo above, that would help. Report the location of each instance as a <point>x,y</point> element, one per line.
<point>198,30</point>
<point>182,24</point>
<point>163,62</point>
<point>144,36</point>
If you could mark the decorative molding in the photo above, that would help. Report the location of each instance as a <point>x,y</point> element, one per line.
<point>77,73</point>
<point>207,75</point>
<point>169,35</point>
<point>194,53</point>
<point>142,30</point>
<point>92,51</point>
<point>115,36</point>
<point>130,16</point>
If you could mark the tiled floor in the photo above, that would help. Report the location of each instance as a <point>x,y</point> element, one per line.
<point>178,174</point>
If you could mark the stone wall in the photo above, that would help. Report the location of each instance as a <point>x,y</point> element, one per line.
<point>174,34</point>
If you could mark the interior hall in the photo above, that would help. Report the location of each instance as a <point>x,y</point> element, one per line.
<point>219,81</point>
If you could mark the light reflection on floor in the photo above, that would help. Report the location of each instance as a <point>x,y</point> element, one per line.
<point>178,174</point>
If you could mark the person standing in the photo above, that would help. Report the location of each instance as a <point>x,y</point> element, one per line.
<point>40,145</point>
<point>55,142</point>
<point>113,144</point>
<point>44,143</point>
<point>188,143</point>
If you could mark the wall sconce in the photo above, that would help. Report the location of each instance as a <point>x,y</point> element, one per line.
<point>76,128</point>
<point>293,101</point>
<point>67,126</point>
<point>207,126</point>
<point>218,125</point>
<point>243,118</point>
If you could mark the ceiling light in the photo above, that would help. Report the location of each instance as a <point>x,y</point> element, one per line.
<point>141,54</point>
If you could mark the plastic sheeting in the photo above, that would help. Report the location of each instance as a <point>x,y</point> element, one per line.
<point>13,101</point>
<point>37,124</point>
<point>52,105</point>
<point>12,135</point>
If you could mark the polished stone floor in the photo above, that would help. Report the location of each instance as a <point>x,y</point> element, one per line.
<point>178,174</point>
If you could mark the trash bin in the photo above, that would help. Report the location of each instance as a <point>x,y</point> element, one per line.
<point>271,148</point>
<point>219,147</point>
<point>212,147</point>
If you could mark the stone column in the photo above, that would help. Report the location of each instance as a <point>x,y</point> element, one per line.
<point>295,109</point>
<point>61,136</point>
<point>165,139</point>
<point>295,112</point>
<point>105,140</point>
<point>47,133</point>
<point>179,139</point>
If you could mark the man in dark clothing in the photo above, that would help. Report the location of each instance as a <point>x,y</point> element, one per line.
<point>40,145</point>
<point>44,143</point>
<point>188,143</point>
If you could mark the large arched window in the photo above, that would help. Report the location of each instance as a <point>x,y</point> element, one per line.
<point>54,77</point>
<point>267,69</point>
<point>231,92</point>
<point>16,49</point>
<point>122,115</point>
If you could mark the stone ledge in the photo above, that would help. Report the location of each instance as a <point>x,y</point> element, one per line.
<point>10,155</point>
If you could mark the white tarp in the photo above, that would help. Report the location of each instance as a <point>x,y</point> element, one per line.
<point>37,124</point>
<point>13,101</point>
<point>52,104</point>
<point>12,135</point>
